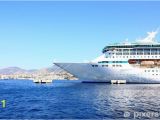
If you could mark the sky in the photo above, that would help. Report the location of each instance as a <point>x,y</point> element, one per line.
<point>36,34</point>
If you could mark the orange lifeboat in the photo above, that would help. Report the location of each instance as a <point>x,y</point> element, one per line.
<point>132,61</point>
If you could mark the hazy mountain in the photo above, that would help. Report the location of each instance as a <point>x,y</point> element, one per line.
<point>12,70</point>
<point>17,70</point>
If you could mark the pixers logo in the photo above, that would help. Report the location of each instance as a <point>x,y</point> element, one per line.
<point>141,115</point>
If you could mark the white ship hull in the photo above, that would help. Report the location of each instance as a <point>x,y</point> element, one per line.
<point>87,73</point>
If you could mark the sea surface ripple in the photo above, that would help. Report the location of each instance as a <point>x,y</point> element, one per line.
<point>76,100</point>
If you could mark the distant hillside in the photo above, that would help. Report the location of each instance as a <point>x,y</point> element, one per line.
<point>12,70</point>
<point>17,70</point>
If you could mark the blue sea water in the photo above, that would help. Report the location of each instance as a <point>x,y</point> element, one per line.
<point>75,100</point>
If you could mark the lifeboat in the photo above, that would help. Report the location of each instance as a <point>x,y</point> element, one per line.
<point>147,63</point>
<point>132,61</point>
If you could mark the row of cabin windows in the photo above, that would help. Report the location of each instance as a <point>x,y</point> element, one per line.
<point>154,74</point>
<point>108,48</point>
<point>130,46</point>
<point>94,65</point>
<point>137,52</point>
<point>113,62</point>
<point>107,65</point>
<point>112,65</point>
<point>151,71</point>
<point>104,65</point>
<point>133,56</point>
<point>117,65</point>
<point>121,66</point>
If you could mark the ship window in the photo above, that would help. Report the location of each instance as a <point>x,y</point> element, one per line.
<point>103,62</point>
<point>104,65</point>
<point>146,51</point>
<point>158,51</point>
<point>119,52</point>
<point>139,51</point>
<point>94,65</point>
<point>125,51</point>
<point>104,51</point>
<point>153,51</point>
<point>132,52</point>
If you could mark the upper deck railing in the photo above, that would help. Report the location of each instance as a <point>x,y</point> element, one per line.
<point>130,46</point>
<point>147,42</point>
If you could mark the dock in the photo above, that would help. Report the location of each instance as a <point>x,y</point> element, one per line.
<point>118,81</point>
<point>42,81</point>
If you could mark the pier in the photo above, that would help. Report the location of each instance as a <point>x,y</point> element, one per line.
<point>42,81</point>
<point>118,81</point>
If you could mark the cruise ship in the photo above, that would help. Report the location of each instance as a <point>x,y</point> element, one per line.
<point>137,62</point>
